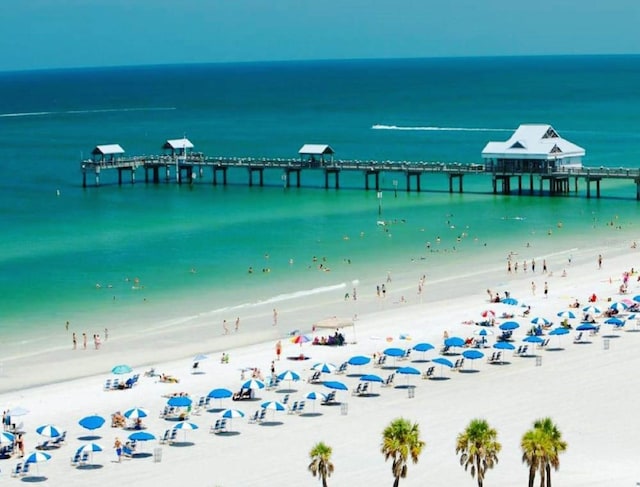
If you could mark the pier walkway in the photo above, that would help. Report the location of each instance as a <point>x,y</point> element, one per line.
<point>194,166</point>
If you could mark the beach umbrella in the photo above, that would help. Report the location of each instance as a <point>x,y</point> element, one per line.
<point>230,414</point>
<point>510,301</point>
<point>359,360</point>
<point>394,352</point>
<point>539,320</point>
<point>504,346</point>
<point>423,347</point>
<point>289,375</point>
<point>483,332</point>
<point>17,411</point>
<point>454,342</point>
<point>179,401</point>
<point>273,406</point>
<point>91,448</point>
<point>219,393</point>
<point>586,326</point>
<point>312,396</point>
<point>324,367</point>
<point>592,310</point>
<point>141,436</point>
<point>559,332</point>
<point>472,354</point>
<point>371,378</point>
<point>6,437</point>
<point>637,298</point>
<point>136,413</point>
<point>48,430</point>
<point>185,426</point>
<point>566,314</point>
<point>509,325</point>
<point>533,339</point>
<point>121,369</point>
<point>200,357</point>
<point>334,384</point>
<point>617,322</point>
<point>300,339</point>
<point>408,371</point>
<point>442,362</point>
<point>253,384</point>
<point>92,422</point>
<point>488,313</point>
<point>37,457</point>
<point>618,306</point>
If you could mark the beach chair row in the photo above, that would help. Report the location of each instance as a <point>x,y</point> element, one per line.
<point>172,412</point>
<point>169,436</point>
<point>117,384</point>
<point>21,469</point>
<point>361,390</point>
<point>496,358</point>
<point>80,458</point>
<point>258,416</point>
<point>328,399</point>
<point>220,426</point>
<point>53,443</point>
<point>297,407</point>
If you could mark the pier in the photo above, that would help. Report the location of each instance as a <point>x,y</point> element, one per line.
<point>183,166</point>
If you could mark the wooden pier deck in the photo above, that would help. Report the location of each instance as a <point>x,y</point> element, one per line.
<point>186,169</point>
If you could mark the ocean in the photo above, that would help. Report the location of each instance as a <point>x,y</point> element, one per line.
<point>99,257</point>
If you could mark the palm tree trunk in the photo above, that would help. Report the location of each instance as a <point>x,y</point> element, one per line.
<point>324,481</point>
<point>396,482</point>
<point>532,476</point>
<point>548,475</point>
<point>479,473</point>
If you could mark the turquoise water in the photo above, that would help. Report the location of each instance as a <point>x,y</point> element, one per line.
<point>72,256</point>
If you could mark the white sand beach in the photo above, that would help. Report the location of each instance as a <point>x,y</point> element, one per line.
<point>587,389</point>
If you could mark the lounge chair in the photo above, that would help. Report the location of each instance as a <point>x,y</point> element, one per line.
<point>357,390</point>
<point>578,338</point>
<point>262,416</point>
<point>293,408</point>
<point>165,436</point>
<point>17,470</point>
<point>58,441</point>
<point>389,381</point>
<point>254,418</point>
<point>381,361</point>
<point>429,372</point>
<point>343,368</point>
<point>25,469</point>
<point>364,390</point>
<point>285,399</point>
<point>407,354</point>
<point>329,399</point>
<point>301,406</point>
<point>315,378</point>
<point>458,365</point>
<point>107,385</point>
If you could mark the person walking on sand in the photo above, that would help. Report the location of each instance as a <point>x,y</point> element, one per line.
<point>275,317</point>
<point>533,288</point>
<point>546,289</point>
<point>75,340</point>
<point>225,328</point>
<point>278,349</point>
<point>118,447</point>
<point>84,341</point>
<point>599,261</point>
<point>237,323</point>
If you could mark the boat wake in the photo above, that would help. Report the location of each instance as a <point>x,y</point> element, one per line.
<point>438,129</point>
<point>83,112</point>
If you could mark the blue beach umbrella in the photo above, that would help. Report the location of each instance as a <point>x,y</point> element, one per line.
<point>334,384</point>
<point>371,378</point>
<point>618,306</point>
<point>48,430</point>
<point>566,314</point>
<point>394,352</point>
<point>253,384</point>
<point>613,321</point>
<point>273,405</point>
<point>230,414</point>
<point>443,361</point>
<point>454,342</point>
<point>185,426</point>
<point>179,401</point>
<point>136,413</point>
<point>121,369</point>
<point>141,436</point>
<point>483,332</point>
<point>533,339</point>
<point>324,367</point>
<point>539,320</point>
<point>312,396</point>
<point>92,422</point>
<point>219,393</point>
<point>586,326</point>
<point>509,325</point>
<point>593,310</point>
<point>637,298</point>
<point>37,457</point>
<point>472,354</point>
<point>358,360</point>
<point>6,437</point>
<point>559,331</point>
<point>91,448</point>
<point>503,346</point>
<point>510,301</point>
<point>423,347</point>
<point>289,375</point>
<point>408,371</point>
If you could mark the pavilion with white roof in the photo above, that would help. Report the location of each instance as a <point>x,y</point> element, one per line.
<point>314,153</point>
<point>178,146</point>
<point>533,148</point>
<point>106,152</point>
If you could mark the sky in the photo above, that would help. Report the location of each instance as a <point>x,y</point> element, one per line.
<point>44,34</point>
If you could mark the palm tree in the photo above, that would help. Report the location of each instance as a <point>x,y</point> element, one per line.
<point>321,465</point>
<point>555,445</point>
<point>401,441</point>
<point>479,448</point>
<point>541,447</point>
